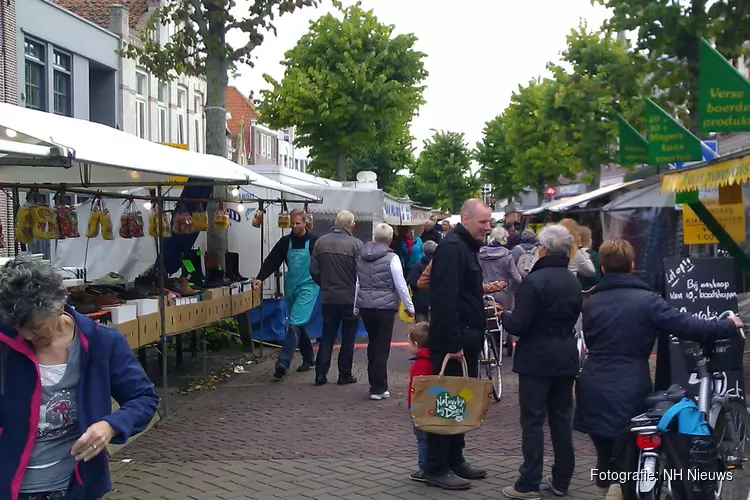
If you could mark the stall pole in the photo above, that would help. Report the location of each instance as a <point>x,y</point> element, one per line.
<point>162,303</point>
<point>205,351</point>
<point>16,206</point>
<point>262,236</point>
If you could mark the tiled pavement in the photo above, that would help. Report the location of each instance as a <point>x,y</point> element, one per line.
<point>253,438</point>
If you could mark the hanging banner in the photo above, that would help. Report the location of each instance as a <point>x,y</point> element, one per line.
<point>723,173</point>
<point>668,140</point>
<point>391,211</point>
<point>724,94</point>
<point>633,148</point>
<point>730,216</point>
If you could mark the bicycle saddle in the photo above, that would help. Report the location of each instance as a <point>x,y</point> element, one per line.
<point>659,410</point>
<point>674,394</point>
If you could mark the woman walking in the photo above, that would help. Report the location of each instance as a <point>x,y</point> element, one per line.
<point>410,251</point>
<point>59,371</point>
<point>580,262</point>
<point>380,287</point>
<point>497,264</point>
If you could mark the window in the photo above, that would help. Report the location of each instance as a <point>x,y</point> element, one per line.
<point>163,124</point>
<point>141,98</point>
<point>163,92</point>
<point>35,68</point>
<point>198,121</point>
<point>181,115</point>
<point>62,83</point>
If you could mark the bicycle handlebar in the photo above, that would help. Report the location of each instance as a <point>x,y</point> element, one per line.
<point>730,314</point>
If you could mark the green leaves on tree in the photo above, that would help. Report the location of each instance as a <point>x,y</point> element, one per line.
<point>351,88</point>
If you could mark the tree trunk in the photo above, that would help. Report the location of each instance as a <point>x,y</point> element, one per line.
<point>341,167</point>
<point>216,142</point>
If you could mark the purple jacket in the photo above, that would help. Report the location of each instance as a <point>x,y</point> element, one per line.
<point>497,264</point>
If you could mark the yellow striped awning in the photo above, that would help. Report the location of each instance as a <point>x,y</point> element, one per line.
<point>721,173</point>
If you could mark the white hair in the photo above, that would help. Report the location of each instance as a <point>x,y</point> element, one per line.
<point>499,235</point>
<point>556,239</point>
<point>344,219</point>
<point>383,233</point>
<point>429,224</point>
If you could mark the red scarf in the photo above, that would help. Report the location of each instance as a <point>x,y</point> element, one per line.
<point>409,244</point>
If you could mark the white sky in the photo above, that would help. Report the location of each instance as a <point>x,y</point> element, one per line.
<point>478,52</point>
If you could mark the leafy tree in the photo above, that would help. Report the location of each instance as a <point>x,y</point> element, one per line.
<point>199,47</point>
<point>668,35</point>
<point>541,152</point>
<point>349,86</point>
<point>496,159</point>
<point>605,78</point>
<point>442,175</point>
<point>385,159</point>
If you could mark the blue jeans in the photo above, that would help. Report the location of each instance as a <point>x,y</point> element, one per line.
<point>295,336</point>
<point>421,447</point>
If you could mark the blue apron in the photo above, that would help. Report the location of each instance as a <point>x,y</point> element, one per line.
<point>300,291</point>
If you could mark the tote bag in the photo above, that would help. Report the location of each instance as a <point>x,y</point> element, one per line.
<point>448,405</point>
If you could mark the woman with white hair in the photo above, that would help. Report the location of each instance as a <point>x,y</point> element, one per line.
<point>497,264</point>
<point>548,303</point>
<point>380,288</point>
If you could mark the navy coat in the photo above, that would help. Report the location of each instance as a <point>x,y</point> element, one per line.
<point>621,322</point>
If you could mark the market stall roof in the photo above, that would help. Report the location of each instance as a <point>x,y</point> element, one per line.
<point>542,208</point>
<point>362,202</point>
<point>649,196</point>
<point>730,169</point>
<point>582,200</point>
<point>292,192</point>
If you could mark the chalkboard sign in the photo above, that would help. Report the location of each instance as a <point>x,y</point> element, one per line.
<point>705,288</point>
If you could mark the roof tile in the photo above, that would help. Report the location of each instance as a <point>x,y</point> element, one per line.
<point>97,11</point>
<point>241,109</point>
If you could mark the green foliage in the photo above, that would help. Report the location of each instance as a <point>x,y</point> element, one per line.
<point>441,177</point>
<point>385,159</point>
<point>496,160</point>
<point>668,33</point>
<point>351,88</point>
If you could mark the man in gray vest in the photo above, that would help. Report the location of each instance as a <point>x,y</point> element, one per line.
<point>380,288</point>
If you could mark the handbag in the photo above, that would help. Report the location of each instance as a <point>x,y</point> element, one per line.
<point>402,314</point>
<point>448,405</point>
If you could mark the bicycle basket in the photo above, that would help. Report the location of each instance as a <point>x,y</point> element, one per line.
<point>726,355</point>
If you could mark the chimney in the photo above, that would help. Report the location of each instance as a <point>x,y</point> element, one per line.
<point>119,20</point>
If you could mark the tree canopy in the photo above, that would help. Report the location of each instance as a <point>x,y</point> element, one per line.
<point>441,176</point>
<point>350,87</point>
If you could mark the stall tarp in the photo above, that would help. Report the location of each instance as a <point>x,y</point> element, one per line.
<point>367,203</point>
<point>291,193</point>
<point>106,154</point>
<point>582,200</point>
<point>392,210</point>
<point>645,197</point>
<point>274,321</point>
<point>542,208</point>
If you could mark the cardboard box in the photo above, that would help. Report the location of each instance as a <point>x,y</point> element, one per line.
<point>123,313</point>
<point>149,328</point>
<point>145,306</point>
<point>242,302</point>
<point>257,297</point>
<point>216,293</point>
<point>225,307</point>
<point>212,310</point>
<point>131,331</point>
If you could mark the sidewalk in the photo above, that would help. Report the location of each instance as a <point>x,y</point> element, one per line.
<point>253,438</point>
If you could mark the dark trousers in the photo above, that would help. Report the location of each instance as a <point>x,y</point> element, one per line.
<point>605,448</point>
<point>296,336</point>
<point>333,316</point>
<point>446,452</point>
<point>422,316</point>
<point>379,325</point>
<point>551,397</point>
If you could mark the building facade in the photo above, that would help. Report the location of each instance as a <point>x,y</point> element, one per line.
<point>291,156</point>
<point>8,49</point>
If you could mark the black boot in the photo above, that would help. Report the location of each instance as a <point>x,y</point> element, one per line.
<point>233,266</point>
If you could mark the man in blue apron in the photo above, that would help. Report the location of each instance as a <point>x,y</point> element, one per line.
<point>300,291</point>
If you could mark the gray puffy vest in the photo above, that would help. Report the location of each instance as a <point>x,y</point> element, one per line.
<point>376,287</point>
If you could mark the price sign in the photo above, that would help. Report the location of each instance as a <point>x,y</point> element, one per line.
<point>705,288</point>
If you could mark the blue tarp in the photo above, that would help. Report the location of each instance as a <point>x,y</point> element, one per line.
<point>274,321</point>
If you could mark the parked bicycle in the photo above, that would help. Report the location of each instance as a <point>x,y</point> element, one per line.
<point>725,411</point>
<point>491,356</point>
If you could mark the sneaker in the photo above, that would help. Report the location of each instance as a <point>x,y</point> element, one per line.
<point>279,373</point>
<point>417,476</point>
<point>551,486</point>
<point>304,367</point>
<point>448,481</point>
<point>378,397</point>
<point>347,379</point>
<point>510,492</point>
<point>614,492</point>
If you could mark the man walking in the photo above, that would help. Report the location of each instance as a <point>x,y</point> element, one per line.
<point>430,233</point>
<point>456,330</point>
<point>333,267</point>
<point>300,291</point>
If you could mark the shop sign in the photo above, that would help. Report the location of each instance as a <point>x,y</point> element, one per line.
<point>405,213</point>
<point>633,148</point>
<point>668,140</point>
<point>724,94</point>
<point>730,216</point>
<point>734,171</point>
<point>419,216</point>
<point>391,211</point>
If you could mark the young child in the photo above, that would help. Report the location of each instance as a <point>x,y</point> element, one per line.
<point>417,338</point>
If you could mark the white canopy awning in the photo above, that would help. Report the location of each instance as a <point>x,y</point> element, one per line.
<point>82,152</point>
<point>582,200</point>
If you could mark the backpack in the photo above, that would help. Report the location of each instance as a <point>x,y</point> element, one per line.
<point>527,260</point>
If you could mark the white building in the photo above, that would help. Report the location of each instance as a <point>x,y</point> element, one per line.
<point>291,156</point>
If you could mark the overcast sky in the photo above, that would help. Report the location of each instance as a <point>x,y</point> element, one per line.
<point>478,52</point>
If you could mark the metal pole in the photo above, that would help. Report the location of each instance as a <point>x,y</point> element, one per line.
<point>16,206</point>
<point>205,352</point>
<point>262,247</point>
<point>162,302</point>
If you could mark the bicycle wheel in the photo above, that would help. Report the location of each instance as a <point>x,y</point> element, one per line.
<point>493,365</point>
<point>732,433</point>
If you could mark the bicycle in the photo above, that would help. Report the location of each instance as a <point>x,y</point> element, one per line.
<point>582,351</point>
<point>717,404</point>
<point>491,357</point>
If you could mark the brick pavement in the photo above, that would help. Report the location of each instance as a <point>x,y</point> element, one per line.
<point>253,438</point>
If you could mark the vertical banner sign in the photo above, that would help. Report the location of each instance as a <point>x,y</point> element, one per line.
<point>724,94</point>
<point>668,140</point>
<point>704,288</point>
<point>633,148</point>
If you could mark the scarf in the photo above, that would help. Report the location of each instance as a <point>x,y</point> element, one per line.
<point>409,244</point>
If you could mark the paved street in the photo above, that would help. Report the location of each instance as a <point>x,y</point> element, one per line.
<point>253,438</point>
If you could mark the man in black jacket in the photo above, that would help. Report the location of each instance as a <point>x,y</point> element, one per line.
<point>430,233</point>
<point>548,304</point>
<point>456,330</point>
